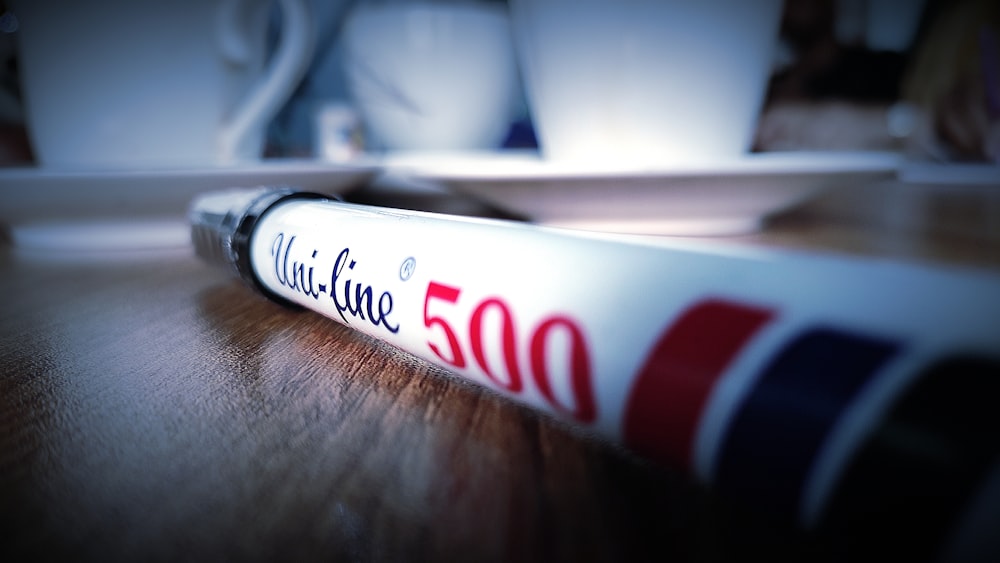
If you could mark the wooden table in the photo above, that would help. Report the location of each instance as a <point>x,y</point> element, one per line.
<point>151,408</point>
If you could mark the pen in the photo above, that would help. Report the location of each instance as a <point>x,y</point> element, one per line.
<point>850,396</point>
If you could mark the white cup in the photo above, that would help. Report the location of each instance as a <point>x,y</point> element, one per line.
<point>111,84</point>
<point>645,82</point>
<point>432,75</point>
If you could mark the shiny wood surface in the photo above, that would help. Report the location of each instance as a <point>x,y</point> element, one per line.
<point>151,408</point>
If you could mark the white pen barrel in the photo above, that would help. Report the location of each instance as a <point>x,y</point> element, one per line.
<point>777,377</point>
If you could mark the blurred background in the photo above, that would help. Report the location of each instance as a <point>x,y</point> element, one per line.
<point>636,116</point>
<point>846,74</point>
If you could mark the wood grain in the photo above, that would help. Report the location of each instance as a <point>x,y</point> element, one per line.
<point>152,409</point>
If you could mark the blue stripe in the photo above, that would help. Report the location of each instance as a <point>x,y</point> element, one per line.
<point>774,437</point>
<point>908,485</point>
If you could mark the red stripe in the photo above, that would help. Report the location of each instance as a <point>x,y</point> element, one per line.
<point>665,404</point>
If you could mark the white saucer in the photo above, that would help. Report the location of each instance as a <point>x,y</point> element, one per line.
<point>32,195</point>
<point>725,197</point>
<point>83,238</point>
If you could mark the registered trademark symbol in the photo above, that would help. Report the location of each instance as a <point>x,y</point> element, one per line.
<point>407,268</point>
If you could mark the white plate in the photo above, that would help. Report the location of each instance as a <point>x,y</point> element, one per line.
<point>33,195</point>
<point>692,199</point>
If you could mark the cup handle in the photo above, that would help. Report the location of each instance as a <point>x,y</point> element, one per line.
<point>288,65</point>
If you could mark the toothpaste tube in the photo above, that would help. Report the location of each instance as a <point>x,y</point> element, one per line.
<point>834,392</point>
